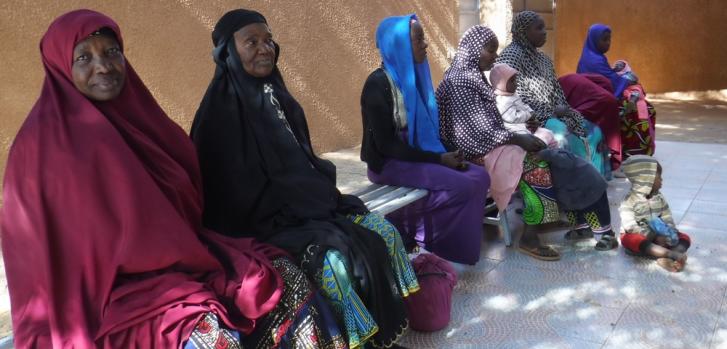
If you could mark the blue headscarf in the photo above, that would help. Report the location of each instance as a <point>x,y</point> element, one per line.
<point>413,80</point>
<point>594,62</point>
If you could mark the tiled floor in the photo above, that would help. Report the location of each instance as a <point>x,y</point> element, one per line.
<point>595,299</point>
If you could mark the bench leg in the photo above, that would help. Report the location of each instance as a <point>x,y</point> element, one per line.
<point>502,217</point>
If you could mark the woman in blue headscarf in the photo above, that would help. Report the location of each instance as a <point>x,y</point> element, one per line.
<point>401,147</point>
<point>638,117</point>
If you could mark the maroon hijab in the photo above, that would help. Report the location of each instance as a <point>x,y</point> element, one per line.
<point>101,224</point>
<point>592,96</point>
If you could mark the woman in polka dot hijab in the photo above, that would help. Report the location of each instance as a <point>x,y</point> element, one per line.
<point>470,121</point>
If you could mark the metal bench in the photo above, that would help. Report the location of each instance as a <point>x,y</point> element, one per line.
<point>385,199</point>
<point>500,220</point>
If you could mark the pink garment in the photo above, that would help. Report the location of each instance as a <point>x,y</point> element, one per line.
<point>505,166</point>
<point>101,224</point>
<point>499,76</point>
<point>626,68</point>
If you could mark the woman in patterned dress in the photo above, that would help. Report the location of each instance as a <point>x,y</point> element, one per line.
<point>470,120</point>
<point>262,179</point>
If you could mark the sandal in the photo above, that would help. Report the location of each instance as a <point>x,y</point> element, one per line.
<point>543,253</point>
<point>579,234</point>
<point>608,242</point>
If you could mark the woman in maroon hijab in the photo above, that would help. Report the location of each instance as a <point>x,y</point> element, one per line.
<point>101,223</point>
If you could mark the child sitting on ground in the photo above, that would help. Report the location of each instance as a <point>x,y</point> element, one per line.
<point>517,116</point>
<point>581,191</point>
<point>646,221</point>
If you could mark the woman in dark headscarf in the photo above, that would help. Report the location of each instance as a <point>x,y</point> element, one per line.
<point>538,87</point>
<point>638,117</point>
<point>262,179</point>
<point>470,121</point>
<point>102,232</point>
<point>401,147</point>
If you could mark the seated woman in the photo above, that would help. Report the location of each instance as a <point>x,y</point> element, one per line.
<point>401,147</point>
<point>592,96</point>
<point>539,88</point>
<point>470,120</point>
<point>638,117</point>
<point>261,178</point>
<point>102,232</point>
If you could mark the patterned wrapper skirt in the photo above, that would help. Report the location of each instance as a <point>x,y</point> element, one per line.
<point>301,319</point>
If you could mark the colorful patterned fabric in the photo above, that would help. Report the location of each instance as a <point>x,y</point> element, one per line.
<point>348,307</point>
<point>597,216</point>
<point>209,334</point>
<point>406,279</point>
<point>301,319</point>
<point>636,133</point>
<point>591,148</point>
<point>538,193</point>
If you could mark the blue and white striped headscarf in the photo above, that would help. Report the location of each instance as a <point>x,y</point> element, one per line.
<point>413,80</point>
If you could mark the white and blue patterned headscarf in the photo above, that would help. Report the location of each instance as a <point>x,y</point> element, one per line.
<point>413,80</point>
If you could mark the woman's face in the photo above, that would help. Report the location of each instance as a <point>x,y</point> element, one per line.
<point>99,68</point>
<point>418,43</point>
<point>536,32</point>
<point>255,46</point>
<point>488,55</point>
<point>604,43</point>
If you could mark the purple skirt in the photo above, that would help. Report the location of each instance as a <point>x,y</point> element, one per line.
<point>448,221</point>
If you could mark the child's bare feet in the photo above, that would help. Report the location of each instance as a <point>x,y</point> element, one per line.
<point>667,263</point>
<point>674,263</point>
<point>680,261</point>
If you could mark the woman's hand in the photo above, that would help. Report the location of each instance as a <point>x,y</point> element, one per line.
<point>532,124</point>
<point>453,160</point>
<point>561,110</point>
<point>528,142</point>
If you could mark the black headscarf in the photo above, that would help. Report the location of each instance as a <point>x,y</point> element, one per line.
<point>262,179</point>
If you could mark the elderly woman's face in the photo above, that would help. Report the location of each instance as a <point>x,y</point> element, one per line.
<point>488,55</point>
<point>254,43</point>
<point>99,68</point>
<point>536,32</point>
<point>418,43</point>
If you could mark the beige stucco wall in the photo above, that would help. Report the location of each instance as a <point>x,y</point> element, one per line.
<point>328,50</point>
<point>673,45</point>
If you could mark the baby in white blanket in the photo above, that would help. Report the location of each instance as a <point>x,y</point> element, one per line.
<point>517,116</point>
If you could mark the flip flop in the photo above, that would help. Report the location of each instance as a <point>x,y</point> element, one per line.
<point>543,253</point>
<point>608,242</point>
